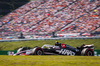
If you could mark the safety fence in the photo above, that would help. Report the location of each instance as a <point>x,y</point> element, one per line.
<point>11,52</point>
<point>56,38</point>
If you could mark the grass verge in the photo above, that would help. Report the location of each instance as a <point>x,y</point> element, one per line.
<point>49,60</point>
<point>32,43</point>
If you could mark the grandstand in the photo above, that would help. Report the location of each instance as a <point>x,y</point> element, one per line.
<point>44,17</point>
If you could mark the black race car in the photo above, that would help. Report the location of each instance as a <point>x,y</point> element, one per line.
<point>58,49</point>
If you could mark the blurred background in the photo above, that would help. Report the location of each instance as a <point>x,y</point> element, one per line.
<point>29,19</point>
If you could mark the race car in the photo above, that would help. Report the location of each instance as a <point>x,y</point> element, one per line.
<point>58,49</point>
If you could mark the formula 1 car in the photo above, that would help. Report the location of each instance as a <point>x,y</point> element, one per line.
<point>58,49</point>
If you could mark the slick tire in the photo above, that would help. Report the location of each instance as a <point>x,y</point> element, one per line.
<point>38,51</point>
<point>87,52</point>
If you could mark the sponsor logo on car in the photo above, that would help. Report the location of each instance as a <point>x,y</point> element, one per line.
<point>66,52</point>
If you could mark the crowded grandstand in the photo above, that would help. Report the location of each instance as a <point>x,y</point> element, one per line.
<point>47,18</point>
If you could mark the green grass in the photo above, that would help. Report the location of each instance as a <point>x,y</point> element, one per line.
<point>49,61</point>
<point>32,43</point>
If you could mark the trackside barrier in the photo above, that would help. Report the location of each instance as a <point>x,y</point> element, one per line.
<point>96,52</point>
<point>11,52</point>
<point>57,38</point>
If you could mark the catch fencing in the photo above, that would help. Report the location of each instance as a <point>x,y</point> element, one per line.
<point>56,38</point>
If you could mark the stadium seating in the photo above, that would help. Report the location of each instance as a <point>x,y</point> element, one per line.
<point>20,11</point>
<point>64,17</point>
<point>45,17</point>
<point>87,23</point>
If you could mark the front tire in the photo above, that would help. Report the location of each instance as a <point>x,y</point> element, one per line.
<point>38,51</point>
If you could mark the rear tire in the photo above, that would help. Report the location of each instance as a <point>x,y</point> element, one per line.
<point>87,52</point>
